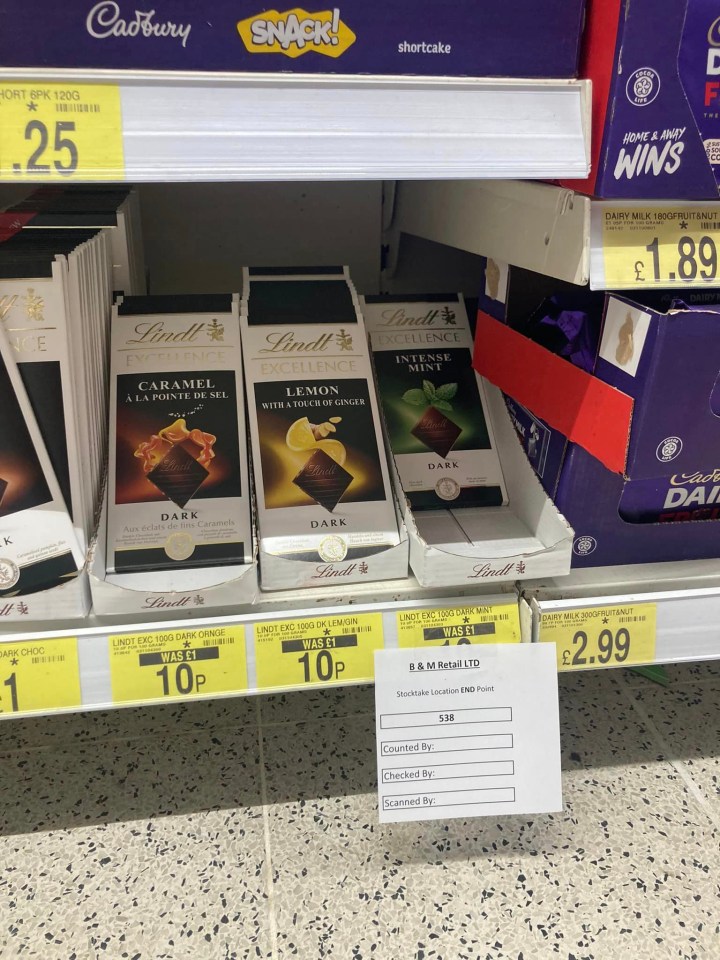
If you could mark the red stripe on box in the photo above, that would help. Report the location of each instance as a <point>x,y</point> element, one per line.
<point>597,63</point>
<point>12,223</point>
<point>583,408</point>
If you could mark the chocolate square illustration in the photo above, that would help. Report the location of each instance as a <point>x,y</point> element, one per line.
<point>178,475</point>
<point>323,479</point>
<point>3,488</point>
<point>436,431</point>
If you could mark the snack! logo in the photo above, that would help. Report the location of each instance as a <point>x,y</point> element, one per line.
<point>296,32</point>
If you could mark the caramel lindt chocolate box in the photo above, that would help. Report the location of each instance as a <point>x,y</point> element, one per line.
<point>178,492</point>
<point>324,498</point>
<point>38,546</point>
<point>433,401</point>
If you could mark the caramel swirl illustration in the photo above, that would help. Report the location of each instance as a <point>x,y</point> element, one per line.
<point>152,451</point>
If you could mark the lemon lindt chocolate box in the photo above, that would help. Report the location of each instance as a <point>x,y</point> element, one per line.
<point>178,493</point>
<point>325,504</point>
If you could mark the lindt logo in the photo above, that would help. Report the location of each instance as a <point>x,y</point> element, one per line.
<point>295,32</point>
<point>287,343</point>
<point>399,318</point>
<point>105,20</point>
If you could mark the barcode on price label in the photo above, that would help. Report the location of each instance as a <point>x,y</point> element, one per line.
<point>588,638</point>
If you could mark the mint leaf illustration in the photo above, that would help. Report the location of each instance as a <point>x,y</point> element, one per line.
<point>416,397</point>
<point>441,404</point>
<point>447,391</point>
<point>429,390</point>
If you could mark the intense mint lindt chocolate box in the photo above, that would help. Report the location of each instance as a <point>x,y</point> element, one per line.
<point>433,402</point>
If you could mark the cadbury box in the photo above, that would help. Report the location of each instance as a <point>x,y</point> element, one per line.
<point>655,70</point>
<point>424,37</point>
<point>639,478</point>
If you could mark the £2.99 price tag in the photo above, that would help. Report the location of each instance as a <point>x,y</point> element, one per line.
<point>39,675</point>
<point>601,636</point>
<point>60,132</point>
<point>316,650</point>
<point>177,663</point>
<point>451,626</point>
<point>658,245</point>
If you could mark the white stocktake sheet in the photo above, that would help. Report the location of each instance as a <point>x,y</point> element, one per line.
<point>467,731</point>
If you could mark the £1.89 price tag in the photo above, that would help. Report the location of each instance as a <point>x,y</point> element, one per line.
<point>177,663</point>
<point>60,132</point>
<point>316,650</point>
<point>656,245</point>
<point>451,626</point>
<point>601,636</point>
<point>39,675</point>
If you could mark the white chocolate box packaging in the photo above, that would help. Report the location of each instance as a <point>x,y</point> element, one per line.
<point>326,507</point>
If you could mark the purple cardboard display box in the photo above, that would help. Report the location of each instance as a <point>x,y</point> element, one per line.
<point>655,68</point>
<point>495,38</point>
<point>645,487</point>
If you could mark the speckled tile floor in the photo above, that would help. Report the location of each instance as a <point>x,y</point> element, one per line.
<point>248,829</point>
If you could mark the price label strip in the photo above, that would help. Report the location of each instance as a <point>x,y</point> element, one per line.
<point>455,626</point>
<point>317,650</point>
<point>39,675</point>
<point>177,664</point>
<point>601,636</point>
<point>52,132</point>
<point>658,245</point>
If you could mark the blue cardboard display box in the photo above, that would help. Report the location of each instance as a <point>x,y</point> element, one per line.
<point>626,437</point>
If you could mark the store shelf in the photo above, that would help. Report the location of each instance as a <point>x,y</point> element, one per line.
<point>686,594</point>
<point>388,599</point>
<point>180,127</point>
<point>533,225</point>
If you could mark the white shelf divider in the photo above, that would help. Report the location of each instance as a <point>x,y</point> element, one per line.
<point>180,127</point>
<point>537,226</point>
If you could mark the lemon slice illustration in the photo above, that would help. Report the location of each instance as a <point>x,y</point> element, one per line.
<point>300,435</point>
<point>334,449</point>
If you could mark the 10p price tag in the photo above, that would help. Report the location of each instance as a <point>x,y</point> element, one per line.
<point>601,636</point>
<point>175,664</point>
<point>317,650</point>
<point>52,132</point>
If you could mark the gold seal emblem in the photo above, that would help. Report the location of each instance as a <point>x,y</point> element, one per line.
<point>9,573</point>
<point>179,546</point>
<point>332,549</point>
<point>447,488</point>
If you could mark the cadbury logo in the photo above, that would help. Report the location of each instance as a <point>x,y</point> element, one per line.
<point>295,32</point>
<point>679,479</point>
<point>105,20</point>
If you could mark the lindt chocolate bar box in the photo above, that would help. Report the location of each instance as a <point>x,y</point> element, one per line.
<point>424,37</point>
<point>655,69</point>
<point>178,480</point>
<point>38,547</point>
<point>638,479</point>
<point>433,401</point>
<point>325,504</point>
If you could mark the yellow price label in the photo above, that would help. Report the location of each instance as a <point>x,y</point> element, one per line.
<point>317,650</point>
<point>60,132</point>
<point>659,245</point>
<point>601,636</point>
<point>176,664</point>
<point>453,626</point>
<point>39,675</point>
